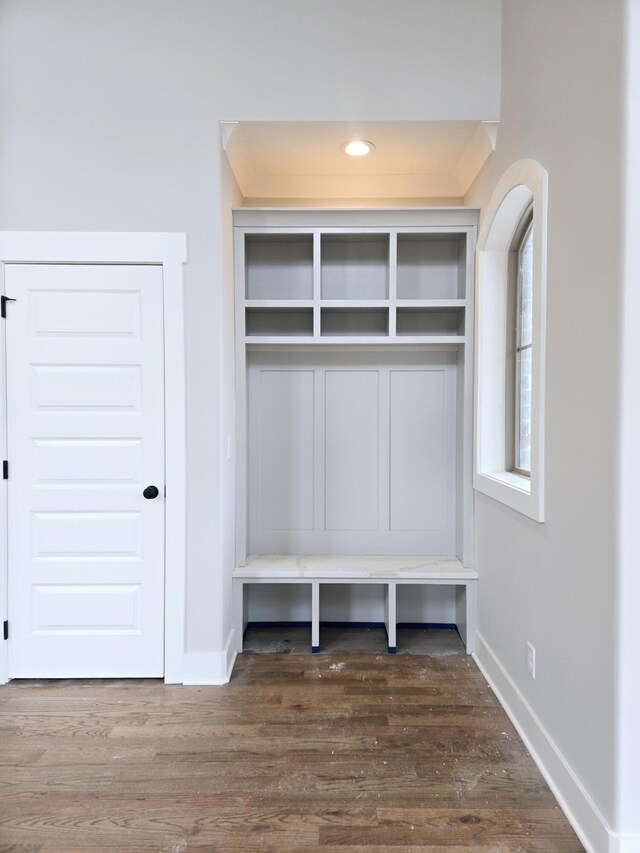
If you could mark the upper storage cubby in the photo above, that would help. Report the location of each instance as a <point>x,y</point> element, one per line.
<point>347,322</point>
<point>279,266</point>
<point>347,278</point>
<point>431,266</point>
<point>354,266</point>
<point>283,322</point>
<point>431,322</point>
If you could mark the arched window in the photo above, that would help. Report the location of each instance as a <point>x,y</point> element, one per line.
<point>510,343</point>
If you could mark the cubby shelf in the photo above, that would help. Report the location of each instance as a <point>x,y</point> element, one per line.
<point>430,266</point>
<point>354,322</point>
<point>279,266</point>
<point>354,303</point>
<point>279,322</point>
<point>445,322</point>
<point>354,340</point>
<point>278,303</point>
<point>354,286</point>
<point>354,266</point>
<point>431,303</point>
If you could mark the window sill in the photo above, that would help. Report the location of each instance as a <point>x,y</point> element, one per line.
<point>512,490</point>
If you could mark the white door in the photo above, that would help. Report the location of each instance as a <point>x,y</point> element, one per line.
<point>85,403</point>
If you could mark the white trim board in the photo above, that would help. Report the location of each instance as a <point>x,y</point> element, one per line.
<point>168,250</point>
<point>211,668</point>
<point>343,566</point>
<point>449,219</point>
<point>582,813</point>
<point>113,247</point>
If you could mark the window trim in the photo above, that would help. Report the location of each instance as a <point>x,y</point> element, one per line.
<point>523,185</point>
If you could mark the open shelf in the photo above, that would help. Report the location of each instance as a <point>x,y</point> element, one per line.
<point>430,321</point>
<point>431,266</point>
<point>279,266</point>
<point>354,266</point>
<point>279,322</point>
<point>368,322</point>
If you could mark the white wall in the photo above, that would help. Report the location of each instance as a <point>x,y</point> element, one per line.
<point>230,197</point>
<point>109,114</point>
<point>628,650</point>
<point>554,584</point>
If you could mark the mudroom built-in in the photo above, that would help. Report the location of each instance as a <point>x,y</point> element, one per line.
<point>354,343</point>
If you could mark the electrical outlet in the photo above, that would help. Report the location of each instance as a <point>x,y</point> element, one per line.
<point>531,660</point>
<point>228,447</point>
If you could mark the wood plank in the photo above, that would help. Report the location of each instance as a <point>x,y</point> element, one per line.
<point>317,753</point>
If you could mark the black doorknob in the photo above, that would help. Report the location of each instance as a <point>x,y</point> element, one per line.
<point>151,492</point>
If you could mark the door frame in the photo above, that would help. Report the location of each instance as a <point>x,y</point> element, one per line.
<point>169,251</point>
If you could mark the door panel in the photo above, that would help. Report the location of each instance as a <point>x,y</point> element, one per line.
<point>85,390</point>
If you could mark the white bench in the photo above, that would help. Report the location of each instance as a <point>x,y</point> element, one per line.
<point>387,571</point>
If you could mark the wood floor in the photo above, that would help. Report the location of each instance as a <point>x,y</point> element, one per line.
<point>334,754</point>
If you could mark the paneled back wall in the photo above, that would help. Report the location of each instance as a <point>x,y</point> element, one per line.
<point>352,452</point>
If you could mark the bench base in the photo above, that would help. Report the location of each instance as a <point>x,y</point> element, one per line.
<point>386,571</point>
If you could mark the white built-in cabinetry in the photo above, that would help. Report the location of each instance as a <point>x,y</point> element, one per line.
<point>354,380</point>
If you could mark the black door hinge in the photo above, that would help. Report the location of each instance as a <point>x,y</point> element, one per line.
<point>6,629</point>
<point>5,470</point>
<point>3,305</point>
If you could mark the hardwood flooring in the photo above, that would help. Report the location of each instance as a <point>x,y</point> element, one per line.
<point>322,754</point>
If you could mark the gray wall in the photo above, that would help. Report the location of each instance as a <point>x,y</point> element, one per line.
<point>109,114</point>
<point>628,650</point>
<point>554,584</point>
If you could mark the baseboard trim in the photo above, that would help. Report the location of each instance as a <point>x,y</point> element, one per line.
<point>231,654</point>
<point>582,813</point>
<point>213,668</point>
<point>441,626</point>
<point>624,843</point>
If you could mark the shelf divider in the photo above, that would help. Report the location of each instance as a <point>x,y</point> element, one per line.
<point>390,617</point>
<point>355,340</point>
<point>393,281</point>
<point>278,303</point>
<point>315,617</point>
<point>317,283</point>
<point>355,303</point>
<point>431,303</point>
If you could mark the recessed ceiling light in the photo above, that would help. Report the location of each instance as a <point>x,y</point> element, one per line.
<point>358,147</point>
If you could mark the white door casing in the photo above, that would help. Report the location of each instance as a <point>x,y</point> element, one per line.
<point>85,426</point>
<point>169,252</point>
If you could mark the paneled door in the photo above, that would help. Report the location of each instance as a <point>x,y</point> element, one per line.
<point>85,403</point>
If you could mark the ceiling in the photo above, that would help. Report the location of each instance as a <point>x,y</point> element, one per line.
<point>304,160</point>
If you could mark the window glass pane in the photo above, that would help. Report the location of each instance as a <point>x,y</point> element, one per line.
<point>524,344</point>
<point>523,450</point>
<point>525,301</point>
